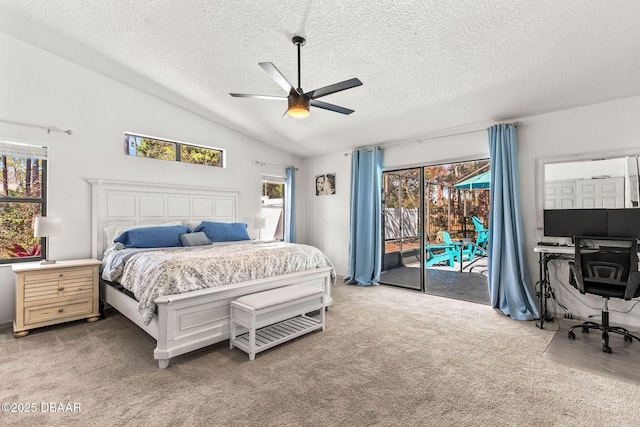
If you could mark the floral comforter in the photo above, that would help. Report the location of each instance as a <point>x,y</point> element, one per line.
<point>149,274</point>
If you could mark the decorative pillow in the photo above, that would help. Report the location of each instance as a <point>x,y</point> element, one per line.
<point>192,224</point>
<point>152,237</point>
<point>115,230</point>
<point>223,232</point>
<point>194,239</point>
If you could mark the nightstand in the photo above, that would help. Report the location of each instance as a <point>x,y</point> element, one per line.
<point>47,294</point>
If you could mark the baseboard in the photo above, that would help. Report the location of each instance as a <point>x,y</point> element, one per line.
<point>6,325</point>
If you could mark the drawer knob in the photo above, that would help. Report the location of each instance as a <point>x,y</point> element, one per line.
<point>61,275</point>
<point>60,310</point>
<point>61,289</point>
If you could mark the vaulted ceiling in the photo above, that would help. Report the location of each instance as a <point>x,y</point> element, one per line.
<point>426,66</point>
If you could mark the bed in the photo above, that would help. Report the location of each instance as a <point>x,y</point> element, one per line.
<point>190,320</point>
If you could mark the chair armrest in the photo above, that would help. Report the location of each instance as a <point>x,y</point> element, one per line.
<point>578,277</point>
<point>632,285</point>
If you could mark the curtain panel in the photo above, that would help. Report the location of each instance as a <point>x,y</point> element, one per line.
<point>509,281</point>
<point>365,243</point>
<point>289,206</point>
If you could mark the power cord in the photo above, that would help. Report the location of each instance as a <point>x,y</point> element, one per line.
<point>569,290</point>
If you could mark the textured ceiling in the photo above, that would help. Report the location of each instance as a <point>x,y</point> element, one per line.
<point>426,66</point>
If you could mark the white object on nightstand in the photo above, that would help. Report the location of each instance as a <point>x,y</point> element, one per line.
<point>47,294</point>
<point>47,227</point>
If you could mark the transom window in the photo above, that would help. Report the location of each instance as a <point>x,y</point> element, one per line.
<point>163,149</point>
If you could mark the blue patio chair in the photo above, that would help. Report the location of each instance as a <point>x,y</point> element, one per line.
<point>440,253</point>
<point>450,251</point>
<point>482,237</point>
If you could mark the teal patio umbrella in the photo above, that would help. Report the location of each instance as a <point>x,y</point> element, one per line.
<point>477,182</point>
<point>481,181</point>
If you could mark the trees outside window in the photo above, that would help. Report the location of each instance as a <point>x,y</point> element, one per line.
<point>273,207</point>
<point>22,198</point>
<point>145,146</point>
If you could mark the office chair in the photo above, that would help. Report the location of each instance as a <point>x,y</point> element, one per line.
<point>607,271</point>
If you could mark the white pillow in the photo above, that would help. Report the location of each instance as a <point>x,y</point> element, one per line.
<point>116,230</point>
<point>192,224</point>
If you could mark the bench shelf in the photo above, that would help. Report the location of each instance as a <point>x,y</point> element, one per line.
<point>278,333</point>
<point>269,318</point>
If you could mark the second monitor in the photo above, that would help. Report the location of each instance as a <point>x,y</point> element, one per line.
<point>575,222</point>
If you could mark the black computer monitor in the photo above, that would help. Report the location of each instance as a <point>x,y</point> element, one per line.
<point>575,222</point>
<point>623,222</point>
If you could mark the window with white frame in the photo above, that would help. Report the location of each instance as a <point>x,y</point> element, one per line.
<point>273,202</point>
<point>164,149</point>
<point>23,196</point>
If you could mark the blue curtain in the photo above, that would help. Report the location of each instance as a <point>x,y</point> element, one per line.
<point>509,282</point>
<point>365,244</point>
<point>289,206</point>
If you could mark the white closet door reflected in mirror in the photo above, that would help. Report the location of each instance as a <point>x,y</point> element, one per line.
<point>600,183</point>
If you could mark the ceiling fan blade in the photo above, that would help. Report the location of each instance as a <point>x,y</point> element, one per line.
<point>337,87</point>
<point>330,107</point>
<point>245,95</point>
<point>276,75</point>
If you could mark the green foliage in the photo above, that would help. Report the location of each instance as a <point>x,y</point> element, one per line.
<point>21,177</point>
<point>16,230</point>
<point>272,190</point>
<point>446,207</point>
<point>156,149</point>
<point>167,150</point>
<point>200,156</point>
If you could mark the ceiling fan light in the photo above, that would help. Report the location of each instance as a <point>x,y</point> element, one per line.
<point>298,106</point>
<point>298,111</point>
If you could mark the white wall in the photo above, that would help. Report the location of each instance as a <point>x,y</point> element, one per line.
<point>42,89</point>
<point>600,128</point>
<point>328,216</point>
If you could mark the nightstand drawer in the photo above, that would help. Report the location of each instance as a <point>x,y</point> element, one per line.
<point>62,274</point>
<point>52,293</point>
<point>74,286</point>
<point>45,313</point>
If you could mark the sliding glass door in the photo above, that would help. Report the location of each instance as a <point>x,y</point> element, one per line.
<point>435,221</point>
<point>402,225</point>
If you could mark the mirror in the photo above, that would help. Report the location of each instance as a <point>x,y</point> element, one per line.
<point>589,181</point>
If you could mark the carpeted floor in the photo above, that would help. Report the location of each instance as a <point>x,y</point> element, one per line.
<point>585,353</point>
<point>389,357</point>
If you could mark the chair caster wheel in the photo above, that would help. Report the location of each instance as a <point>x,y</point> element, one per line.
<point>628,338</point>
<point>606,349</point>
<point>585,329</point>
<point>572,335</point>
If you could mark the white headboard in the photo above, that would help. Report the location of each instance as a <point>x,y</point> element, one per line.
<point>133,203</point>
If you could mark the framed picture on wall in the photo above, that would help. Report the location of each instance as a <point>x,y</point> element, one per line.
<point>326,184</point>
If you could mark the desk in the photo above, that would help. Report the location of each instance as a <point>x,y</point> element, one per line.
<point>546,254</point>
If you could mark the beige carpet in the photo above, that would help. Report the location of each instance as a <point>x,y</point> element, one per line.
<point>389,357</point>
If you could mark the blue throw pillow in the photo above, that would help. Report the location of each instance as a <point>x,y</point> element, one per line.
<point>152,237</point>
<point>223,232</point>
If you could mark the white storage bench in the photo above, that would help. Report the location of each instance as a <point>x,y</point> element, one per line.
<point>275,316</point>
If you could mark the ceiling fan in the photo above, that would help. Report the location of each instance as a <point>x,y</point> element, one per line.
<point>300,101</point>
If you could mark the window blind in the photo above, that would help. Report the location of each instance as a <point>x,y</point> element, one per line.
<point>23,150</point>
<point>274,179</point>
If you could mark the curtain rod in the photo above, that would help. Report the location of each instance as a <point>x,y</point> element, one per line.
<point>47,128</point>
<point>273,164</point>
<point>426,138</point>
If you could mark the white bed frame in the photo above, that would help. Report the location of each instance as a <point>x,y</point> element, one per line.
<point>189,321</point>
